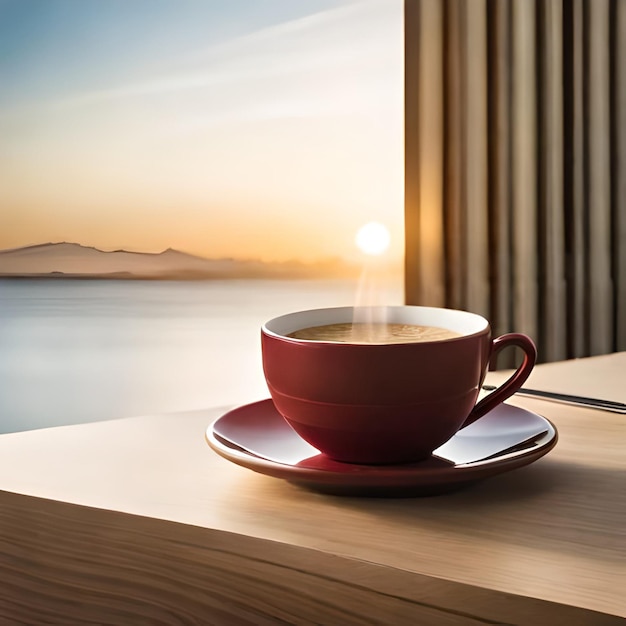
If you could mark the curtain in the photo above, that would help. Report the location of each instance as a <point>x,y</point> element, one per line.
<point>515,167</point>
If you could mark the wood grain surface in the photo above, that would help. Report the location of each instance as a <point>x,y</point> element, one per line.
<point>136,521</point>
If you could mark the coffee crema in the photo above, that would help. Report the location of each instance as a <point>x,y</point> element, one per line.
<point>376,333</point>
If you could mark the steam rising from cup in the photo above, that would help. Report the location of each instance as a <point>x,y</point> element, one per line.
<point>373,240</point>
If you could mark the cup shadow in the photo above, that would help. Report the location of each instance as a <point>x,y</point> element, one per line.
<point>538,498</point>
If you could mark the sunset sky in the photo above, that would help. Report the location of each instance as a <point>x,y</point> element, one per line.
<point>264,129</point>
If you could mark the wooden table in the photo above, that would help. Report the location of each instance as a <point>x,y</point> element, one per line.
<point>138,521</point>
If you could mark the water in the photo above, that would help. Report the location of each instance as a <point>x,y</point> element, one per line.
<point>75,351</point>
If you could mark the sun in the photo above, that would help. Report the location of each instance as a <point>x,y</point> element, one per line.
<point>372,238</point>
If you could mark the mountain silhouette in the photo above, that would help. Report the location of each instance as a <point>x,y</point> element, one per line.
<point>73,260</point>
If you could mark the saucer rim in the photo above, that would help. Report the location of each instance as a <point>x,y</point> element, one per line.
<point>410,475</point>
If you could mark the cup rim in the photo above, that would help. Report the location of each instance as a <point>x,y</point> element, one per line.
<point>279,327</point>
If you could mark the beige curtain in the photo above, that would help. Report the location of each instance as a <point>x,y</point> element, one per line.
<point>516,166</point>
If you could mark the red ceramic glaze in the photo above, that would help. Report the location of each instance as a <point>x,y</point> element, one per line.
<point>279,452</point>
<point>385,403</point>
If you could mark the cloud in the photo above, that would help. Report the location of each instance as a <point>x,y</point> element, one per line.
<point>353,39</point>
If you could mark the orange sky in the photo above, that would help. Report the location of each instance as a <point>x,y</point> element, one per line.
<point>277,143</point>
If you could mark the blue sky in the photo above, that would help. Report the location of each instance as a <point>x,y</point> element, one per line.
<point>222,128</point>
<point>87,42</point>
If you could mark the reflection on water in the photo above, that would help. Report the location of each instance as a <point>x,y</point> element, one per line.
<point>78,350</point>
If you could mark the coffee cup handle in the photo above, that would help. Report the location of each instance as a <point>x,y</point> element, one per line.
<point>518,378</point>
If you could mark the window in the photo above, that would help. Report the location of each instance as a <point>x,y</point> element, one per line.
<point>239,141</point>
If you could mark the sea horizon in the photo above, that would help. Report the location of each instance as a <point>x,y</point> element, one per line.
<point>73,260</point>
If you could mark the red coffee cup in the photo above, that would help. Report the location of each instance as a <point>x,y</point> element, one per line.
<point>385,403</point>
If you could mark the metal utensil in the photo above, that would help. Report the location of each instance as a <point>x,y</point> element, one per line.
<point>593,403</point>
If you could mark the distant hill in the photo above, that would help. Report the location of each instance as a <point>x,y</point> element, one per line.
<point>72,260</point>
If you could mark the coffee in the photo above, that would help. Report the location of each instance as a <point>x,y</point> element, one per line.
<point>377,333</point>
